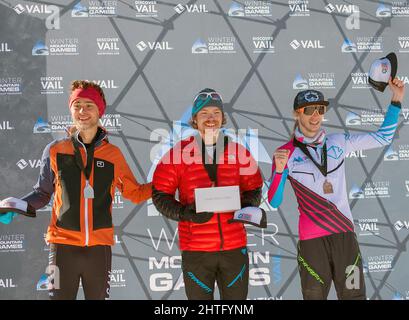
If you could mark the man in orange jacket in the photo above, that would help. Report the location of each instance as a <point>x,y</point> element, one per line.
<point>82,171</point>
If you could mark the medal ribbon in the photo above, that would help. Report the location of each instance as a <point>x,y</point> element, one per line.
<point>90,156</point>
<point>322,167</point>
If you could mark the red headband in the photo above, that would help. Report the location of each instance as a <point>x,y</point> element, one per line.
<point>90,93</point>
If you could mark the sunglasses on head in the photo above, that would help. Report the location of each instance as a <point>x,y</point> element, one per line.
<point>309,110</point>
<point>205,95</point>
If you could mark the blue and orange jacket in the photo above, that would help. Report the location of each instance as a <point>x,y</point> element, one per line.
<point>76,220</point>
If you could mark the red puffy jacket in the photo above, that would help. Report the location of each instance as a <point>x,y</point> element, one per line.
<point>182,169</point>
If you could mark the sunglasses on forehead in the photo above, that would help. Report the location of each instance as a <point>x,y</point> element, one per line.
<point>309,110</point>
<point>204,95</point>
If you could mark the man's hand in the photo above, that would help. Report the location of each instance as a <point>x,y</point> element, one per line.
<point>398,89</point>
<point>189,214</point>
<point>281,159</point>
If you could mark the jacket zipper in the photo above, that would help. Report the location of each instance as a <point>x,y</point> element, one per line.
<point>85,202</point>
<point>214,184</point>
<point>220,231</point>
<point>219,222</point>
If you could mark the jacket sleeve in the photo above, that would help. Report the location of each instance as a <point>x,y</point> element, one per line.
<point>277,184</point>
<point>276,189</point>
<point>251,181</point>
<point>380,138</point>
<point>165,183</point>
<point>127,184</point>
<point>44,188</point>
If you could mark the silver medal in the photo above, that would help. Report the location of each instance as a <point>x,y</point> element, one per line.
<point>88,191</point>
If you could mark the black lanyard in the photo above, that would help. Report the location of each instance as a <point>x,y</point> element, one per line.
<point>219,147</point>
<point>322,167</point>
<point>89,153</point>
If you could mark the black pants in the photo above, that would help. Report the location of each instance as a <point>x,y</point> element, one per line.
<point>229,269</point>
<point>68,264</point>
<point>332,258</point>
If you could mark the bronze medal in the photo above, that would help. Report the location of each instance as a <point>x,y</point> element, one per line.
<point>327,187</point>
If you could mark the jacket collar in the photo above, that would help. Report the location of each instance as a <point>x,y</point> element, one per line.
<point>102,134</point>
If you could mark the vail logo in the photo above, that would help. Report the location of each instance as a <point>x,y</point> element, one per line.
<point>51,85</point>
<point>191,8</point>
<point>356,154</point>
<point>164,45</point>
<point>404,44</point>
<point>306,44</point>
<point>111,122</point>
<point>341,8</point>
<point>106,84</point>
<point>105,45</point>
<point>19,9</point>
<point>117,240</point>
<point>359,79</point>
<point>404,79</point>
<point>32,8</point>
<point>145,7</point>
<point>7,283</point>
<point>4,47</point>
<point>5,125</point>
<point>371,227</point>
<point>335,152</point>
<point>302,6</point>
<point>22,164</point>
<point>399,225</point>
<point>263,44</point>
<point>116,277</point>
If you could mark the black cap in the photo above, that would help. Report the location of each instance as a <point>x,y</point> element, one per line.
<point>309,97</point>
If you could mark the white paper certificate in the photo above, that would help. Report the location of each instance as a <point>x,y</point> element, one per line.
<point>218,199</point>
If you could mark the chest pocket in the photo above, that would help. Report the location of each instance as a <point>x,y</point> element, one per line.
<point>302,169</point>
<point>303,176</point>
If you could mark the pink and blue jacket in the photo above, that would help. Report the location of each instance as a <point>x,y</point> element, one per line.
<point>323,214</point>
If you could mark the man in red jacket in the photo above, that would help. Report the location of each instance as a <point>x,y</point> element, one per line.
<point>213,248</point>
